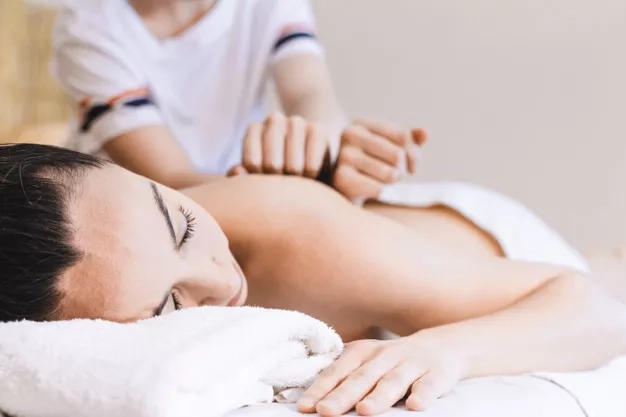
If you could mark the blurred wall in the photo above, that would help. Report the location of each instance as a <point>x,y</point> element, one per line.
<point>525,97</point>
<point>28,94</point>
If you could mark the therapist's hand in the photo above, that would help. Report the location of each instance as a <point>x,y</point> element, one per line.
<point>374,154</point>
<point>283,145</point>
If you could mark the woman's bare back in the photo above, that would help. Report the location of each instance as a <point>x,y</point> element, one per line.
<point>281,231</point>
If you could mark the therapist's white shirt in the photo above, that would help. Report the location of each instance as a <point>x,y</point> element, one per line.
<point>206,86</point>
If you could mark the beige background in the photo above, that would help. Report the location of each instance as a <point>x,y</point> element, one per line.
<point>527,97</point>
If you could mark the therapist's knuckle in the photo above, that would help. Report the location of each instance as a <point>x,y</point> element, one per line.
<point>291,168</point>
<point>272,167</point>
<point>361,122</point>
<point>387,174</point>
<point>352,134</point>
<point>349,155</point>
<point>250,161</point>
<point>254,129</point>
<point>276,119</point>
<point>251,166</point>
<point>317,133</point>
<point>297,122</point>
<point>314,128</point>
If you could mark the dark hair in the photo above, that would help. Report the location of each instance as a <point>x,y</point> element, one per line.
<point>36,239</point>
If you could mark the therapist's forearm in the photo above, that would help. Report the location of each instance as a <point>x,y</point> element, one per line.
<point>320,106</point>
<point>191,179</point>
<point>568,324</point>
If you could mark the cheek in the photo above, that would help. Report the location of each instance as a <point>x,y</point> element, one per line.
<point>210,242</point>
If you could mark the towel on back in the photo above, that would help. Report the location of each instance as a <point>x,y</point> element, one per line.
<point>196,362</point>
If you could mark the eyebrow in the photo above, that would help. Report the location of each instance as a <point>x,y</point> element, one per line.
<point>158,199</point>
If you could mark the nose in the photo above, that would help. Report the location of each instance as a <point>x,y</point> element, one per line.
<point>222,286</point>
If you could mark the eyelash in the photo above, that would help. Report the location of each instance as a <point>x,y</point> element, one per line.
<point>191,224</point>
<point>176,300</point>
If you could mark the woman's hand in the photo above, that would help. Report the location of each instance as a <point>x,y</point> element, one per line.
<point>374,154</point>
<point>372,376</point>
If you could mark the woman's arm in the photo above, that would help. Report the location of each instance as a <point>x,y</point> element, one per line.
<point>400,280</point>
<point>503,316</point>
<point>477,316</point>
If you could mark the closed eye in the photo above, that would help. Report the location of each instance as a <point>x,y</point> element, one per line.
<point>189,228</point>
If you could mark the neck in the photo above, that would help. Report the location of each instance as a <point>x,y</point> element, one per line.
<point>169,18</point>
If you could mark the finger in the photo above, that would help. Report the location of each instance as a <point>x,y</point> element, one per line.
<point>236,170</point>
<point>391,388</point>
<point>355,185</point>
<point>328,380</point>
<point>295,144</point>
<point>252,150</point>
<point>273,142</point>
<point>414,158</point>
<point>316,147</point>
<point>376,169</point>
<point>428,389</point>
<point>415,140</point>
<point>386,130</point>
<point>373,145</point>
<point>420,136</point>
<point>355,387</point>
<point>411,153</point>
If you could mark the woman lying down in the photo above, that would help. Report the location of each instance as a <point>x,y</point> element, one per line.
<point>100,242</point>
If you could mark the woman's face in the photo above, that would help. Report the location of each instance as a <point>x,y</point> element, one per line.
<point>147,250</point>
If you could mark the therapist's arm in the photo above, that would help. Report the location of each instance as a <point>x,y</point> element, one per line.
<point>305,89</point>
<point>153,152</point>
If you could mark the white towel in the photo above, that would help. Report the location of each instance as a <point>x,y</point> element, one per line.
<point>522,235</point>
<point>198,362</point>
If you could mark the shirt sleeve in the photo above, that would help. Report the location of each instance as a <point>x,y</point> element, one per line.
<point>109,91</point>
<point>293,30</point>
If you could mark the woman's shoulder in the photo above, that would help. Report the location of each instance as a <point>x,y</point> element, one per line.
<point>275,193</point>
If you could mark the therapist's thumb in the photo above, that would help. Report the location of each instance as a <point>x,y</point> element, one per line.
<point>420,136</point>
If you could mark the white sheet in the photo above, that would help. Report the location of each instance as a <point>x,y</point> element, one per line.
<point>523,396</point>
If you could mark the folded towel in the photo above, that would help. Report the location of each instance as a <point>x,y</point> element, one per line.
<point>195,362</point>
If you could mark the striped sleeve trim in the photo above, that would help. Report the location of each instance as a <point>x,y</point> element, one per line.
<point>93,112</point>
<point>293,32</point>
